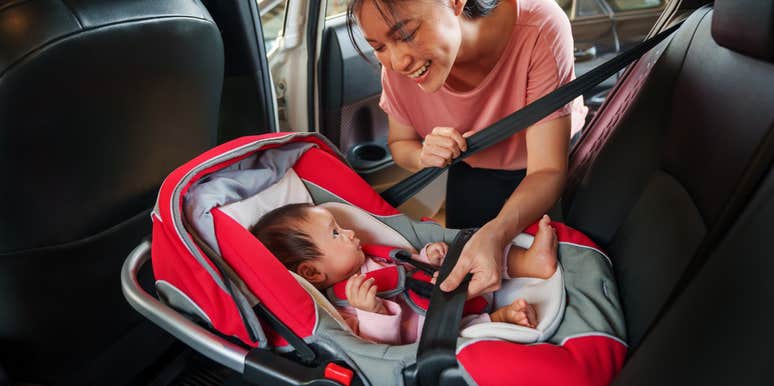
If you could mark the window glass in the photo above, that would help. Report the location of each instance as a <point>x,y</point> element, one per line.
<point>587,8</point>
<point>273,21</point>
<point>336,7</point>
<point>630,5</point>
<point>566,6</point>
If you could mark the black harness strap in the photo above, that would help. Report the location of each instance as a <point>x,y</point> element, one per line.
<point>438,344</point>
<point>525,117</point>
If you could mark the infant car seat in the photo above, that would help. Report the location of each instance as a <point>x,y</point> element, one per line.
<point>223,293</point>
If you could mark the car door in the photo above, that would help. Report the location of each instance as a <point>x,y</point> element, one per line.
<point>323,85</point>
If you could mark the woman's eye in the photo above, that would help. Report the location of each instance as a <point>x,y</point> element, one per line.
<point>379,49</point>
<point>335,233</point>
<point>410,36</point>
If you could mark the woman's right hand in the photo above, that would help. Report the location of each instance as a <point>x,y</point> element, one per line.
<point>441,146</point>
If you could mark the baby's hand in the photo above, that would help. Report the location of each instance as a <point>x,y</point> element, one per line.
<point>436,252</point>
<point>361,294</point>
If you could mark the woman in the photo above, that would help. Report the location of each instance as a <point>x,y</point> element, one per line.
<point>453,67</point>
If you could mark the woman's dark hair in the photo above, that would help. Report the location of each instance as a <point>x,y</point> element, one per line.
<point>473,9</point>
<point>278,231</point>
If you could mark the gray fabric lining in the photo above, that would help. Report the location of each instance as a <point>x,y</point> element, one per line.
<point>414,306</point>
<point>416,233</point>
<point>236,182</point>
<point>593,304</point>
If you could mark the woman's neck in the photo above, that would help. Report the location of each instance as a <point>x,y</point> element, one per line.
<point>483,43</point>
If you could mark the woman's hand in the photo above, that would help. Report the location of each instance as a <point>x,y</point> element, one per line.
<point>436,252</point>
<point>441,146</point>
<point>482,257</point>
<point>361,294</point>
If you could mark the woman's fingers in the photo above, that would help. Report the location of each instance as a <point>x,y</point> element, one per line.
<point>428,160</point>
<point>452,134</point>
<point>441,146</point>
<point>478,258</point>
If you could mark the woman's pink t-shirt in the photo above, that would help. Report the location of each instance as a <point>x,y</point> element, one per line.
<point>537,60</point>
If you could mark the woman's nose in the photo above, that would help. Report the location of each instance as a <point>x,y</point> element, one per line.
<point>399,59</point>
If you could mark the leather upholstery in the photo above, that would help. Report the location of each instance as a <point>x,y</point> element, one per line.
<point>667,173</point>
<point>745,26</point>
<point>99,101</point>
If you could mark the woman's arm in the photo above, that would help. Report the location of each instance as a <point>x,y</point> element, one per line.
<point>405,145</point>
<point>547,149</point>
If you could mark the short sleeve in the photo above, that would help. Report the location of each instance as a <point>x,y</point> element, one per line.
<point>389,101</point>
<point>552,62</point>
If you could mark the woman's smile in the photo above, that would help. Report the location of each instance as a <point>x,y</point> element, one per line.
<point>421,74</point>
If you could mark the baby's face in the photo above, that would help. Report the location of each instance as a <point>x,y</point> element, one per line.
<point>342,255</point>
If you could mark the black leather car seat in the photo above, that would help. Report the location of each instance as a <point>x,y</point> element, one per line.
<point>667,173</point>
<point>99,101</point>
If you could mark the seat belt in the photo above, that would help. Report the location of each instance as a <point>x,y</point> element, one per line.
<point>525,117</point>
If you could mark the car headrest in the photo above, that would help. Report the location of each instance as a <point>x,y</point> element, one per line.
<point>745,26</point>
<point>99,101</point>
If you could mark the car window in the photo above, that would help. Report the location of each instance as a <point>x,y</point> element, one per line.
<point>630,5</point>
<point>273,20</point>
<point>566,7</point>
<point>335,8</point>
<point>588,8</point>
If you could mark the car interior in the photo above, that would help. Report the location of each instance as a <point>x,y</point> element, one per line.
<point>672,178</point>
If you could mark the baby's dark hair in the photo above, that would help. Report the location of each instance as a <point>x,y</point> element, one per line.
<point>473,9</point>
<point>278,231</point>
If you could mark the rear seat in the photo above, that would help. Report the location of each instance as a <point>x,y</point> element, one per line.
<point>669,175</point>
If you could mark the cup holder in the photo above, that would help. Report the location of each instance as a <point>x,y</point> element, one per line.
<point>369,152</point>
<point>369,157</point>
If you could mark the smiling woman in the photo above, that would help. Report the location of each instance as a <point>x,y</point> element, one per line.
<point>453,67</point>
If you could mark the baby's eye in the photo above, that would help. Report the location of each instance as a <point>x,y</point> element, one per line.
<point>335,233</point>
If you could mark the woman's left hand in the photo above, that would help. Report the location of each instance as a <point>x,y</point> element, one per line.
<point>482,257</point>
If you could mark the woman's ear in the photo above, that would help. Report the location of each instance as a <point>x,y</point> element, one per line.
<point>458,6</point>
<point>308,271</point>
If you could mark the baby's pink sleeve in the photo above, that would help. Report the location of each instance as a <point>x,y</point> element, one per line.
<point>380,328</point>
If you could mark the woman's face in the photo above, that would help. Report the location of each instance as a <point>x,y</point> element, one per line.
<point>421,41</point>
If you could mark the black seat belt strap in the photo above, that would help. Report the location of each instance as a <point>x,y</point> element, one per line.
<point>525,117</point>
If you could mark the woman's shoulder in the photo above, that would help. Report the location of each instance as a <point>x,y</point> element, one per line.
<point>541,14</point>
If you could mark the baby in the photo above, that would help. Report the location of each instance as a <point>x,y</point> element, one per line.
<point>308,241</point>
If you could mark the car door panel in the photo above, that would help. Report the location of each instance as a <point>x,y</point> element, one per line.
<point>350,116</point>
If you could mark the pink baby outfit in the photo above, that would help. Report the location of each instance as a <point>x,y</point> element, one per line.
<point>402,325</point>
<point>537,59</point>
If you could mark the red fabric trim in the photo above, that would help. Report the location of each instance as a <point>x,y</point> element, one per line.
<point>173,179</point>
<point>382,251</point>
<point>583,361</point>
<point>264,275</point>
<point>329,173</point>
<point>565,234</point>
<point>174,264</point>
<point>385,279</point>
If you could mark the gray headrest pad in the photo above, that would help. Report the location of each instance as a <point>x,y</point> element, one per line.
<point>745,26</point>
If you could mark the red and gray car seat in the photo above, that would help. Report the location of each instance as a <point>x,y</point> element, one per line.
<point>224,294</point>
